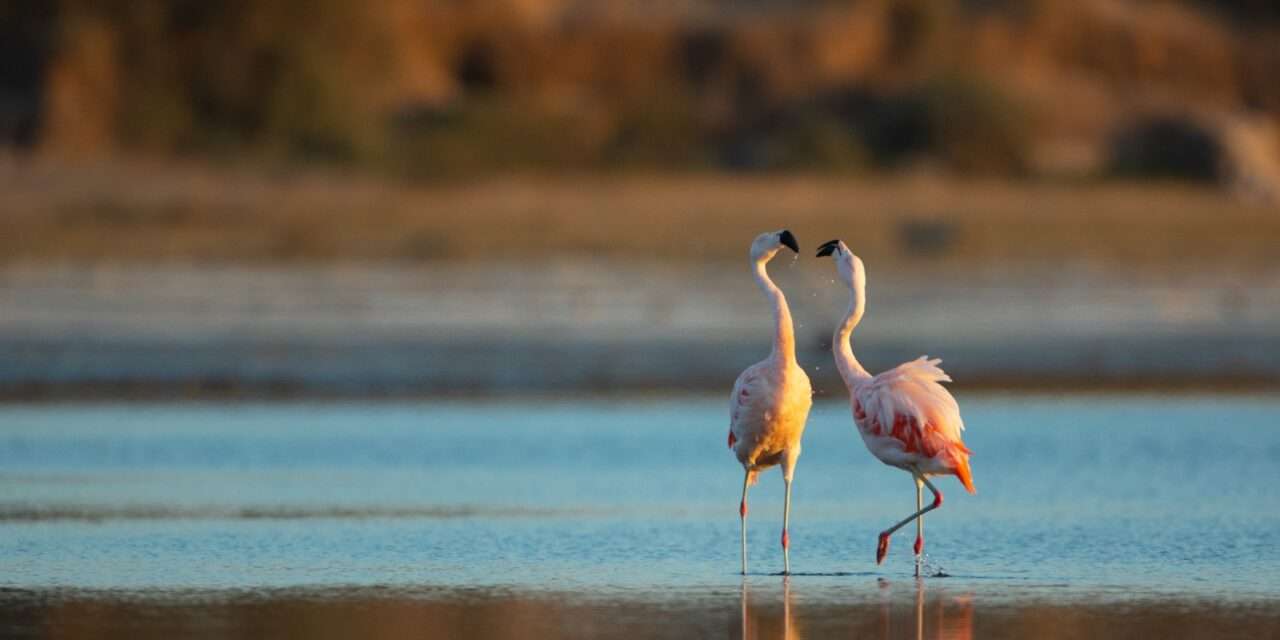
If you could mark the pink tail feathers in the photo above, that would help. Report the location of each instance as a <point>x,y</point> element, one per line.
<point>962,472</point>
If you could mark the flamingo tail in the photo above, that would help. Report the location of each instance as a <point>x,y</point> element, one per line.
<point>962,472</point>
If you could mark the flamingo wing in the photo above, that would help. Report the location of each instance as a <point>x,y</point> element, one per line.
<point>744,393</point>
<point>909,404</point>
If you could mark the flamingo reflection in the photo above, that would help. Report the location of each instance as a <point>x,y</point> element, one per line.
<point>751,625</point>
<point>936,616</point>
<point>941,618</point>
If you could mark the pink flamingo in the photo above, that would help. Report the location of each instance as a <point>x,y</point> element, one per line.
<point>906,417</point>
<point>771,398</point>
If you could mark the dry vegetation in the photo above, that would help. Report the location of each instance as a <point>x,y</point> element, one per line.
<point>446,88</point>
<point>161,212</point>
<point>390,129</point>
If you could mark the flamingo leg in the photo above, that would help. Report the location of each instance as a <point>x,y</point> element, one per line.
<point>883,547</point>
<point>919,525</point>
<point>786,522</point>
<point>742,513</point>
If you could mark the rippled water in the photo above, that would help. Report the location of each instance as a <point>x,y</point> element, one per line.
<point>1082,501</point>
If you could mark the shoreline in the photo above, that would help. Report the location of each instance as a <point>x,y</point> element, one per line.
<point>764,606</point>
<point>132,392</point>
<point>599,327</point>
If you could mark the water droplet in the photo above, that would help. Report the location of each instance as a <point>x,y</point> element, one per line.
<point>932,569</point>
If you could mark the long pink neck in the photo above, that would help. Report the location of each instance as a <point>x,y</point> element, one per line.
<point>784,339</point>
<point>850,369</point>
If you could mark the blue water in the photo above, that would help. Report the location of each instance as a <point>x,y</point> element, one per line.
<point>1084,497</point>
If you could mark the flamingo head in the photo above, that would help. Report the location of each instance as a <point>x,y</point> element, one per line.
<point>848,265</point>
<point>767,244</point>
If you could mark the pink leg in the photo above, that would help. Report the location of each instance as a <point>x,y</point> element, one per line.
<point>742,513</point>
<point>883,547</point>
<point>786,538</point>
<point>919,546</point>
<point>788,471</point>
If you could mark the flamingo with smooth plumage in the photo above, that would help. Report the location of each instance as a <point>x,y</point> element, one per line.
<point>906,417</point>
<point>771,399</point>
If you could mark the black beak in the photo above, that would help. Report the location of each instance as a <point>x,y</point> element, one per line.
<point>829,247</point>
<point>788,240</point>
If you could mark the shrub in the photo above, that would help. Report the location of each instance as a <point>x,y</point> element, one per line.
<point>963,121</point>
<point>482,135</point>
<point>974,127</point>
<point>806,137</point>
<point>658,131</point>
<point>1165,146</point>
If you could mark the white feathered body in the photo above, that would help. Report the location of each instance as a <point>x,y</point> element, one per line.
<point>767,414</point>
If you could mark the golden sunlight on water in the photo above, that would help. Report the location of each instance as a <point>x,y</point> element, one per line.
<point>942,617</point>
<point>758,611</point>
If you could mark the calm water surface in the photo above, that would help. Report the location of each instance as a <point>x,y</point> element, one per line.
<point>582,518</point>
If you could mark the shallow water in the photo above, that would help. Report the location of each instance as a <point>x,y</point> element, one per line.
<point>602,510</point>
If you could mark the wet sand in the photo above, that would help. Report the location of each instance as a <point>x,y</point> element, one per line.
<point>763,607</point>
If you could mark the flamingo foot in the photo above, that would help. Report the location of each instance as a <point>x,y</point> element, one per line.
<point>882,549</point>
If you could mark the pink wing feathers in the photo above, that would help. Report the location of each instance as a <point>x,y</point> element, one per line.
<point>739,399</point>
<point>908,404</point>
<point>745,391</point>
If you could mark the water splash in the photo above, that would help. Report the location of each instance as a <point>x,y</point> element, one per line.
<point>931,569</point>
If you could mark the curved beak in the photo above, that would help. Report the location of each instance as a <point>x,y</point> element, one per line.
<point>788,241</point>
<point>829,247</point>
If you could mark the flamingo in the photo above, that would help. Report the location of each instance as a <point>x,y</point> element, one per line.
<point>771,399</point>
<point>906,417</point>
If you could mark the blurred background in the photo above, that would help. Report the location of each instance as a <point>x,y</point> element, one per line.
<point>395,197</point>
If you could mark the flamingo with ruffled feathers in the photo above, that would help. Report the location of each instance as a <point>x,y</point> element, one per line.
<point>771,399</point>
<point>906,417</point>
